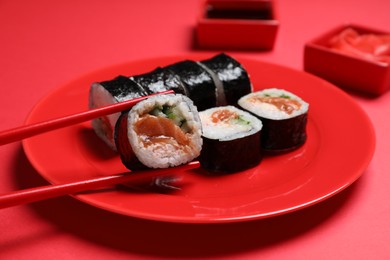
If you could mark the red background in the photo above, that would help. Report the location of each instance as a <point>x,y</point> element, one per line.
<point>45,44</point>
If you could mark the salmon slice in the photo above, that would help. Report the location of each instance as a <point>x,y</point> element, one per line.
<point>153,130</point>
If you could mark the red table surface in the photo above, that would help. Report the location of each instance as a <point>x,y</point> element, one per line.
<point>45,44</point>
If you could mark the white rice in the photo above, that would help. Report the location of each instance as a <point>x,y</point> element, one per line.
<point>269,111</point>
<point>229,130</point>
<point>100,97</point>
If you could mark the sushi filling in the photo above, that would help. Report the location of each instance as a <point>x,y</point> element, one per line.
<point>228,117</point>
<point>283,103</point>
<point>163,126</point>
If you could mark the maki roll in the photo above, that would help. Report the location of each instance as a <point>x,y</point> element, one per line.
<point>284,116</point>
<point>159,132</point>
<point>231,79</point>
<point>231,139</point>
<point>218,81</point>
<point>198,82</point>
<point>109,92</point>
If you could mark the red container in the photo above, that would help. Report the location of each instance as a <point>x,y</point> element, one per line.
<point>237,24</point>
<point>346,71</point>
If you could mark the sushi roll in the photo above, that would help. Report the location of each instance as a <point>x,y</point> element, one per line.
<point>231,79</point>
<point>198,82</point>
<point>231,139</point>
<point>109,92</point>
<point>159,132</point>
<point>284,116</point>
<point>214,82</point>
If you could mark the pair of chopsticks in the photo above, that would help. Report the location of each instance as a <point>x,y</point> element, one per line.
<point>50,191</point>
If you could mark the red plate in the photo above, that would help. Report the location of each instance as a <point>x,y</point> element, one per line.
<point>340,145</point>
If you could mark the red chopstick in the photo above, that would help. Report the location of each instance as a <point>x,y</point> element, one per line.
<point>22,132</point>
<point>50,191</point>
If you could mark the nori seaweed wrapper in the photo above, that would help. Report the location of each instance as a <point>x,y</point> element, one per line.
<point>122,88</point>
<point>127,155</point>
<point>160,80</point>
<point>200,87</point>
<point>232,74</point>
<point>283,135</point>
<point>233,155</point>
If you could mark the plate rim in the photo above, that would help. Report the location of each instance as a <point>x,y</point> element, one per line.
<point>87,200</point>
